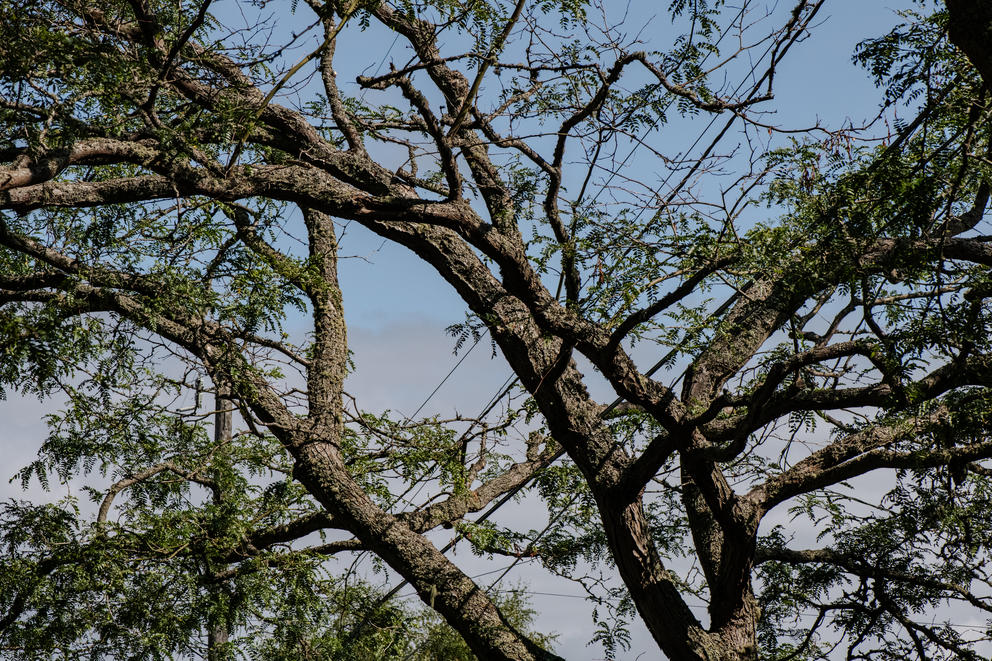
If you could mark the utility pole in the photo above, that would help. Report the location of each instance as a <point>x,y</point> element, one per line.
<point>218,625</point>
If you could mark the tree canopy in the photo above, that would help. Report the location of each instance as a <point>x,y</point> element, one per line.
<point>779,311</point>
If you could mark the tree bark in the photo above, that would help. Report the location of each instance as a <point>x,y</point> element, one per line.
<point>320,468</point>
<point>969,26</point>
<point>439,583</point>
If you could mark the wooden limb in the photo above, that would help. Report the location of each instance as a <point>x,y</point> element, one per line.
<point>858,567</point>
<point>329,78</point>
<point>141,476</point>
<point>494,51</point>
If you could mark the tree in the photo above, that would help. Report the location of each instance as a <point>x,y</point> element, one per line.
<point>818,299</point>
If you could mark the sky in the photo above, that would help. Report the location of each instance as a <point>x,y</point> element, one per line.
<point>397,308</point>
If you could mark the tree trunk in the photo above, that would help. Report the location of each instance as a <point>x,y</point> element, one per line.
<point>970,28</point>
<point>439,583</point>
<point>673,626</point>
<point>320,468</point>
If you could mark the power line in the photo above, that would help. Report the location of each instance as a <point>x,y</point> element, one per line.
<point>706,152</point>
<point>445,379</point>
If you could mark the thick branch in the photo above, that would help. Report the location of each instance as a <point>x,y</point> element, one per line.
<point>863,452</point>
